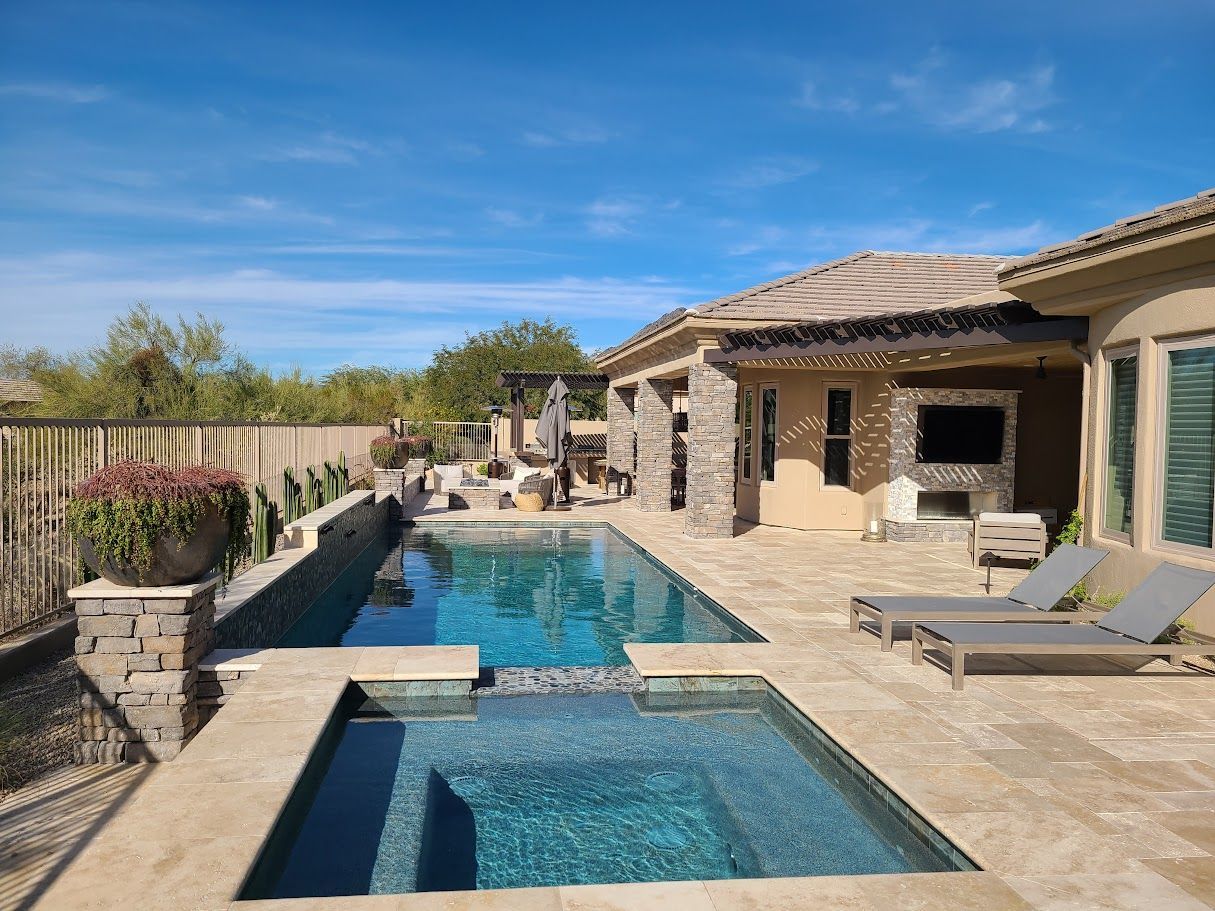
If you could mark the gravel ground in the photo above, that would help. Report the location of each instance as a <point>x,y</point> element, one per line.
<point>37,720</point>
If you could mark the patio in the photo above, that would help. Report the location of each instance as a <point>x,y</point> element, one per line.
<point>1072,783</point>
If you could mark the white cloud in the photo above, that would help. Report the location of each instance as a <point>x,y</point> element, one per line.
<point>980,207</point>
<point>565,136</point>
<point>983,106</point>
<point>328,148</point>
<point>47,91</point>
<point>771,171</point>
<point>509,218</point>
<point>812,97</point>
<point>613,216</point>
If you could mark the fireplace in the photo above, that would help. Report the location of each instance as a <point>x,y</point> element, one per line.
<point>952,505</point>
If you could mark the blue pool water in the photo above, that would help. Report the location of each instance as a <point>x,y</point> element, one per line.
<point>529,597</point>
<point>505,792</point>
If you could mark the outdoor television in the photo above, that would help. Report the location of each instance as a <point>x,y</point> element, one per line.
<point>960,434</point>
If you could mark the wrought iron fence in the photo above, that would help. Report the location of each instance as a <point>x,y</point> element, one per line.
<point>42,461</point>
<point>463,441</point>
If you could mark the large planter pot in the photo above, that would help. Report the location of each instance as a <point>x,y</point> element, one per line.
<point>174,562</point>
<point>398,459</point>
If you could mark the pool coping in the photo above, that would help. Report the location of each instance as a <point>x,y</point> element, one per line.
<point>203,870</point>
<point>208,815</point>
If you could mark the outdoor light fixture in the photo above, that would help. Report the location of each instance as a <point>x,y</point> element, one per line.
<point>1041,371</point>
<point>495,418</point>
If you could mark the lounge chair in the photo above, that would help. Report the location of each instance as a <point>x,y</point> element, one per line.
<point>1129,629</point>
<point>1033,599</point>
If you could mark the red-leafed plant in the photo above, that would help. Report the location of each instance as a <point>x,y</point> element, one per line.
<point>125,509</point>
<point>388,451</point>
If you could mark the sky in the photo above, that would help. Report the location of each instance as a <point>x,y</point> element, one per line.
<point>363,182</point>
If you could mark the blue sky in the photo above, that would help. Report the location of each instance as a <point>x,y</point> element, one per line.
<point>362,182</point>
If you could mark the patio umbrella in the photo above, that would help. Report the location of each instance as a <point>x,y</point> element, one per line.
<point>553,427</point>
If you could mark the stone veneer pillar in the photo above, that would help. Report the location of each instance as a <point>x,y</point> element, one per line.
<point>654,445</point>
<point>712,398</point>
<point>137,655</point>
<point>621,433</point>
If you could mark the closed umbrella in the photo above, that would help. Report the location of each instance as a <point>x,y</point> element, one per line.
<point>553,427</point>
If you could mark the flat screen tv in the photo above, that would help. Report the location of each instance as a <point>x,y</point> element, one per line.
<point>960,434</point>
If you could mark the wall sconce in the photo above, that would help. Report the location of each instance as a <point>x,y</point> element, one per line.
<point>1040,373</point>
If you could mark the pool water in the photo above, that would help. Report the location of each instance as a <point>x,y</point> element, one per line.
<point>514,791</point>
<point>528,597</point>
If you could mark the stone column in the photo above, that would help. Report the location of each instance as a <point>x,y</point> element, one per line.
<point>712,394</point>
<point>137,652</point>
<point>621,435</point>
<point>654,445</point>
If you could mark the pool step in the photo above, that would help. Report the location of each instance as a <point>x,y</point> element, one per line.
<point>533,681</point>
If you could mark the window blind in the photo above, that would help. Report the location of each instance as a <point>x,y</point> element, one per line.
<point>1120,443</point>
<point>1189,448</point>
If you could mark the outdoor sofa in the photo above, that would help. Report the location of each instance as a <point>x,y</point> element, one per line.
<point>1131,628</point>
<point>1032,600</point>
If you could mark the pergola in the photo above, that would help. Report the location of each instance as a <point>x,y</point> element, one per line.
<point>517,381</point>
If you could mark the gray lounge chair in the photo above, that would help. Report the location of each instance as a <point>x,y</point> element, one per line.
<point>1033,599</point>
<point>1129,629</point>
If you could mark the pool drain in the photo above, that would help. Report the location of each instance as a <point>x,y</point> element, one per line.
<point>667,837</point>
<point>665,782</point>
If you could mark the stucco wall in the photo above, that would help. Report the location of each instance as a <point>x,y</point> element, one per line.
<point>796,498</point>
<point>1047,466</point>
<point>1171,311</point>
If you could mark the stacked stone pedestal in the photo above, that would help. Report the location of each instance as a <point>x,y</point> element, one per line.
<point>399,485</point>
<point>654,445</point>
<point>137,655</point>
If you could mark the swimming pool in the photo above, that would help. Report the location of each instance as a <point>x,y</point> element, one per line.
<point>527,596</point>
<point>514,791</point>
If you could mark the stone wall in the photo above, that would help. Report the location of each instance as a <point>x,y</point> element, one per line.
<point>941,531</point>
<point>712,397</point>
<point>137,655</point>
<point>908,477</point>
<point>621,432</point>
<point>399,486</point>
<point>260,605</point>
<point>654,445</point>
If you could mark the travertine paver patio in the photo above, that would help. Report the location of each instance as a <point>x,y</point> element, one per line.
<point>1091,785</point>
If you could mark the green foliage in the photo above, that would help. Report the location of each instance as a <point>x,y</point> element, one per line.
<point>461,379</point>
<point>483,469</point>
<point>1071,532</point>
<point>149,367</point>
<point>124,523</point>
<point>438,455</point>
<point>385,450</point>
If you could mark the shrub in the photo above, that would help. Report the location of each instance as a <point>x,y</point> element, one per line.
<point>124,508</point>
<point>385,450</point>
<point>483,469</point>
<point>437,456</point>
<point>1071,532</point>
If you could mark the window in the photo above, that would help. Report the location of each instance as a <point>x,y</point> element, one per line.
<point>1187,483</point>
<point>747,430</point>
<point>767,434</point>
<point>1122,387</point>
<point>837,439</point>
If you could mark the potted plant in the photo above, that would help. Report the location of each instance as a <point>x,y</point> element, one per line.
<point>388,451</point>
<point>137,523</point>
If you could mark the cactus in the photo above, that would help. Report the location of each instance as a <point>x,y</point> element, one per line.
<point>291,497</point>
<point>310,491</point>
<point>329,482</point>
<point>343,477</point>
<point>263,525</point>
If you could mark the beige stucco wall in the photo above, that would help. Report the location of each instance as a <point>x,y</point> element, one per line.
<point>1048,434</point>
<point>1180,310</point>
<point>796,498</point>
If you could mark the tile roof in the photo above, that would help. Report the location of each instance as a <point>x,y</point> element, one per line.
<point>862,284</point>
<point>20,391</point>
<point>1160,217</point>
<point>865,283</point>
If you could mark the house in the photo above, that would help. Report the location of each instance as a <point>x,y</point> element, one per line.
<point>1146,285</point>
<point>895,390</point>
<point>17,395</point>
<point>905,392</point>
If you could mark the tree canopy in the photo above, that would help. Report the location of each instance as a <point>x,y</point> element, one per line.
<point>149,367</point>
